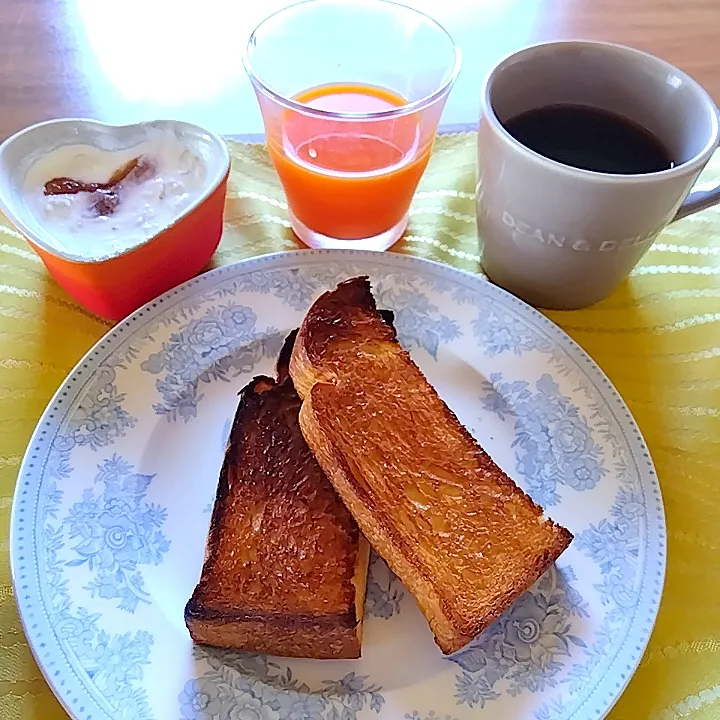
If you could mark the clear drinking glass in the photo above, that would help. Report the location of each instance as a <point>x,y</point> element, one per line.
<point>351,92</point>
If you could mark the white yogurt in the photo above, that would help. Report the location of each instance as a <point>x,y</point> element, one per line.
<point>144,208</point>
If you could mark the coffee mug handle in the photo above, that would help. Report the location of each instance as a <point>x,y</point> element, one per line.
<point>698,200</point>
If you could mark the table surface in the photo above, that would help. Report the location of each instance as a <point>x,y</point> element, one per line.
<point>143,59</point>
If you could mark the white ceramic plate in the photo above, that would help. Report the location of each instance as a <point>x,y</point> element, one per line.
<point>114,497</point>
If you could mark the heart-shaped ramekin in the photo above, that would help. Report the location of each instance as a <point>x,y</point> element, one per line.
<point>113,286</point>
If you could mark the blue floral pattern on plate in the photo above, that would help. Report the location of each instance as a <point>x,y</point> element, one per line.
<point>113,662</point>
<point>419,322</point>
<point>115,532</point>
<point>499,331</point>
<point>554,442</point>
<point>385,592</point>
<point>100,418</point>
<point>113,505</point>
<point>296,288</point>
<point>525,649</point>
<point>242,686</point>
<point>223,344</point>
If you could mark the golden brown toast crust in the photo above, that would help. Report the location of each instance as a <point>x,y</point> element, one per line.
<point>285,564</point>
<point>457,531</point>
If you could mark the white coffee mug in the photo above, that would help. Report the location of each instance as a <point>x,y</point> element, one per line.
<point>563,237</point>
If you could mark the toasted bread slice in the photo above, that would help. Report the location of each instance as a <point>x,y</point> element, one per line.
<point>459,533</point>
<point>285,566</point>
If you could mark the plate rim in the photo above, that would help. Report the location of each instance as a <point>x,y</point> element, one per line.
<point>286,260</point>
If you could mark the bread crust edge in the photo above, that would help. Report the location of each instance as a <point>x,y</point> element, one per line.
<point>452,632</point>
<point>331,636</point>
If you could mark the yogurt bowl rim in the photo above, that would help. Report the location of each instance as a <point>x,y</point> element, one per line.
<point>8,205</point>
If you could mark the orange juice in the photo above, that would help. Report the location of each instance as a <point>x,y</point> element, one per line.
<point>349,179</point>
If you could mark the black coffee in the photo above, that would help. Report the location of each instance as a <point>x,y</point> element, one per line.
<point>589,138</point>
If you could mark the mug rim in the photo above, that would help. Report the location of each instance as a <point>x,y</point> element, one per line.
<point>696,162</point>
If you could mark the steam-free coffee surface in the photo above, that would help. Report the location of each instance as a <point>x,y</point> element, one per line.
<point>590,138</point>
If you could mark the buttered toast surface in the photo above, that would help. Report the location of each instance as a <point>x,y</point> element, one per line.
<point>459,533</point>
<point>285,565</point>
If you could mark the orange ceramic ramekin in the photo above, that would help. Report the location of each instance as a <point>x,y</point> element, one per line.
<point>115,285</point>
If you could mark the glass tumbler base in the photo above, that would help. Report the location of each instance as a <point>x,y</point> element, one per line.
<point>322,242</point>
